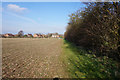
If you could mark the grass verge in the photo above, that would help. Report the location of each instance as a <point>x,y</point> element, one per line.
<point>80,64</point>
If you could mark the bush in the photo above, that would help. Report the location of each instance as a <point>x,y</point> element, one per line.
<point>96,28</point>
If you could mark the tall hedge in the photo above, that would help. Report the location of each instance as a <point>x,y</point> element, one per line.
<point>96,28</point>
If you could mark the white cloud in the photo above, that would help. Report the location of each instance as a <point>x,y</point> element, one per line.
<point>15,8</point>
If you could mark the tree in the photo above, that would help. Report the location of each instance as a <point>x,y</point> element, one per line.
<point>96,28</point>
<point>25,36</point>
<point>20,33</point>
<point>49,35</point>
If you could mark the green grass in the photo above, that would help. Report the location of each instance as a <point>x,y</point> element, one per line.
<point>80,64</point>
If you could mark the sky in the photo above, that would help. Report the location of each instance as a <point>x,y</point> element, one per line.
<point>37,17</point>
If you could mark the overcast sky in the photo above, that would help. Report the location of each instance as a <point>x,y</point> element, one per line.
<point>37,17</point>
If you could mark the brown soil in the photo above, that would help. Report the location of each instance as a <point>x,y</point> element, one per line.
<point>32,58</point>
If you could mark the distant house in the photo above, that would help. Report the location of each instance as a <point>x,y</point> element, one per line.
<point>29,35</point>
<point>16,35</point>
<point>43,36</point>
<point>55,36</point>
<point>37,35</point>
<point>8,35</point>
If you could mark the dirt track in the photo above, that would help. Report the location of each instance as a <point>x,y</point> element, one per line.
<point>32,58</point>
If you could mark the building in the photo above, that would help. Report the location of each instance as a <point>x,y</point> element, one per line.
<point>37,35</point>
<point>29,35</point>
<point>43,36</point>
<point>55,36</point>
<point>8,35</point>
<point>16,35</point>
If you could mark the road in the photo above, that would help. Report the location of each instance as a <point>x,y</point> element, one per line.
<point>32,58</point>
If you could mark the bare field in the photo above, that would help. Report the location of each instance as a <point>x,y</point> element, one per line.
<point>32,58</point>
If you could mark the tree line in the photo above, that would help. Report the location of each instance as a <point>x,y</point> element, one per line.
<point>96,28</point>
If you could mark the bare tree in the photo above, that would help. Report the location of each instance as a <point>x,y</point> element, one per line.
<point>20,33</point>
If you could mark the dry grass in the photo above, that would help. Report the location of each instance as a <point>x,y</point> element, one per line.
<point>32,58</point>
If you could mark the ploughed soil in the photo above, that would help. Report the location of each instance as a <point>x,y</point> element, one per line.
<point>32,58</point>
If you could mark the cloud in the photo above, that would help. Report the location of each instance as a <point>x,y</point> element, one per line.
<point>15,8</point>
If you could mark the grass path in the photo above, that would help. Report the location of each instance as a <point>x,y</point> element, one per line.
<point>32,58</point>
<point>80,64</point>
